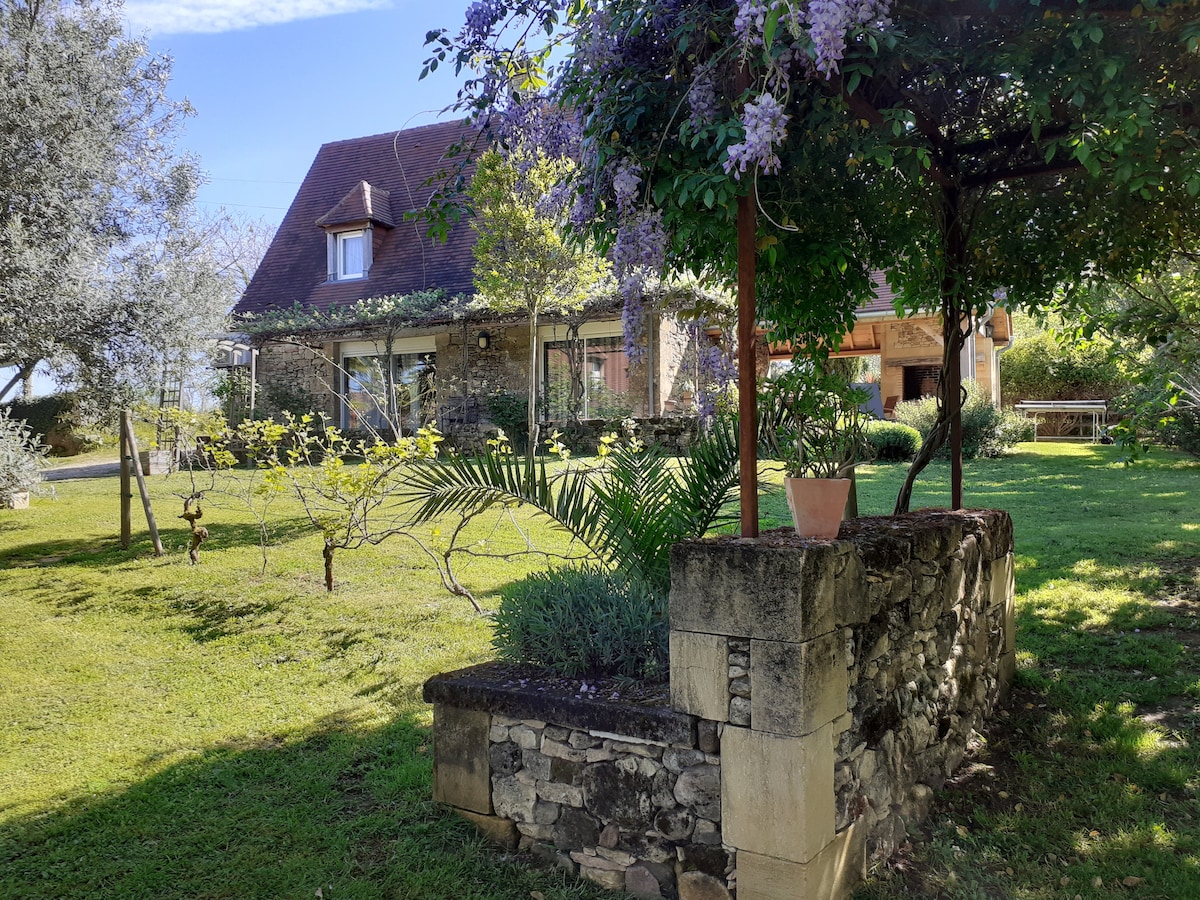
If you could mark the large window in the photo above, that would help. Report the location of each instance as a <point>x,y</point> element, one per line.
<point>365,391</point>
<point>351,254</point>
<point>590,375</point>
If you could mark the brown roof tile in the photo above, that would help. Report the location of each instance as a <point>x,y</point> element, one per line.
<point>406,260</point>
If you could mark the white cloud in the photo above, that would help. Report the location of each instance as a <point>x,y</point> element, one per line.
<point>161,17</point>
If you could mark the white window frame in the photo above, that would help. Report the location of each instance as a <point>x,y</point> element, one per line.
<point>342,238</point>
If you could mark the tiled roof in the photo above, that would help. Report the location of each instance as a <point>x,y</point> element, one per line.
<point>884,298</point>
<point>294,269</point>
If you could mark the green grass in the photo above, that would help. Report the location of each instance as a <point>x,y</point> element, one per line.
<point>178,731</point>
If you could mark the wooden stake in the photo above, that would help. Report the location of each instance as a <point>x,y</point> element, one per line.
<point>136,464</point>
<point>126,494</point>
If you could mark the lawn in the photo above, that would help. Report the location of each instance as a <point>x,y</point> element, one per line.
<point>216,731</point>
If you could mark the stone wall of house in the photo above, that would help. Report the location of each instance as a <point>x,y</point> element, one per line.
<point>298,378</point>
<point>820,692</point>
<point>674,433</point>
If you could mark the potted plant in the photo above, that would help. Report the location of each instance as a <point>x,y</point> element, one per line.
<point>687,393</point>
<point>20,462</point>
<point>813,424</point>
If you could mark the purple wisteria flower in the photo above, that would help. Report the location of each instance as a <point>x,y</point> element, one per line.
<point>831,20</point>
<point>702,100</point>
<point>749,22</point>
<point>627,177</point>
<point>639,251</point>
<point>766,128</point>
<point>482,17</point>
<point>535,122</point>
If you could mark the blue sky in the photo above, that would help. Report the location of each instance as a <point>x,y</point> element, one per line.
<point>271,81</point>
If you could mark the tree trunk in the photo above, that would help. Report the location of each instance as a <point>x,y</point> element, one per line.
<point>24,371</point>
<point>327,553</point>
<point>531,413</point>
<point>949,420</point>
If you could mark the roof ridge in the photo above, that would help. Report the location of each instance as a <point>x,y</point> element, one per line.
<point>394,132</point>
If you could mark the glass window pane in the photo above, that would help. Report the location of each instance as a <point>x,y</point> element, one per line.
<point>350,254</point>
<point>559,384</point>
<point>366,392</point>
<point>606,370</point>
<point>603,379</point>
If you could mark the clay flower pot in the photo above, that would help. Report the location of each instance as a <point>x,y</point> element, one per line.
<point>817,505</point>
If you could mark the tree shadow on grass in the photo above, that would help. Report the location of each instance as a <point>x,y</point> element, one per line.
<point>343,809</point>
<point>107,552</point>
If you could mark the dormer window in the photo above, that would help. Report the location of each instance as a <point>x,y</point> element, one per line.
<point>354,229</point>
<point>351,254</point>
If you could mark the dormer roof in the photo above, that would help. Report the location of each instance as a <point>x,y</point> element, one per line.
<point>363,204</point>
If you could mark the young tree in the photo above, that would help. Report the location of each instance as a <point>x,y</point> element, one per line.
<point>88,176</point>
<point>523,261</point>
<point>983,150</point>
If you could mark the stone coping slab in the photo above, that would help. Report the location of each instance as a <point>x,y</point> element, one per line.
<point>619,707</point>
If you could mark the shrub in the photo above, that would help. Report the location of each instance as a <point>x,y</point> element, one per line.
<point>1042,368</point>
<point>20,457</point>
<point>892,441</point>
<point>987,431</point>
<point>584,621</point>
<point>510,412</point>
<point>55,420</point>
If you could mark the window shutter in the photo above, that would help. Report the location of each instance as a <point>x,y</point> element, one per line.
<point>331,251</point>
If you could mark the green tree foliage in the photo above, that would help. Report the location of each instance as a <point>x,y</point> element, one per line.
<point>523,261</point>
<point>1153,317</point>
<point>1044,366</point>
<point>90,187</point>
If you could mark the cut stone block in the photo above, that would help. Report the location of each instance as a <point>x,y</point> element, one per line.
<point>1008,671</point>
<point>830,875</point>
<point>1003,579</point>
<point>699,886</point>
<point>798,687</point>
<point>460,758</point>
<point>777,792</point>
<point>699,674</point>
<point>751,588</point>
<point>502,832</point>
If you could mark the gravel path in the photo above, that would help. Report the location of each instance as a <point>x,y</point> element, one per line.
<point>82,470</point>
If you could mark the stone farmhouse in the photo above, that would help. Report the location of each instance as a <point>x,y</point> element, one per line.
<point>349,236</point>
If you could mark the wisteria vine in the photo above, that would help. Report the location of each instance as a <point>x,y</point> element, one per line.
<point>605,53</point>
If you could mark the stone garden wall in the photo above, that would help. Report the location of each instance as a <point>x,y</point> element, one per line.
<point>820,692</point>
<point>625,795</point>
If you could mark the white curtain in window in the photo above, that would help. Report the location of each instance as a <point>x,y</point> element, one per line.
<point>351,254</point>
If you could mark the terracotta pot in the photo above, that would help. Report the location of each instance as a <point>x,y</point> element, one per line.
<point>817,505</point>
